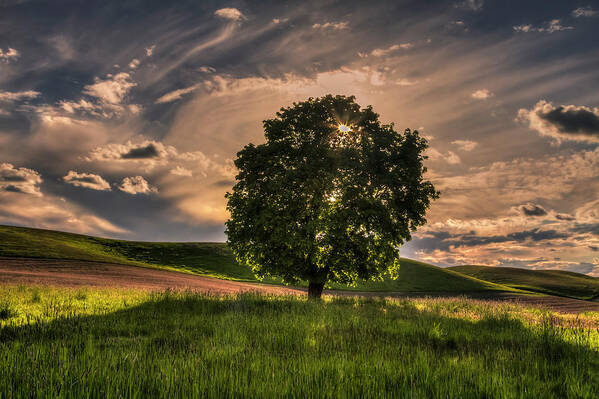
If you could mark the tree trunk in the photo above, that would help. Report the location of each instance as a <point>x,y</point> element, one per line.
<point>315,290</point>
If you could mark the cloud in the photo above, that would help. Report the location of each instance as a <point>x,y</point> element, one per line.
<point>87,180</point>
<point>450,157</point>
<point>144,152</point>
<point>10,96</point>
<point>181,171</point>
<point>150,50</point>
<point>564,122</point>
<point>148,152</point>
<point>482,94</point>
<point>206,69</point>
<point>549,27</point>
<point>136,185</point>
<point>457,25</point>
<point>8,55</point>
<point>380,52</point>
<point>531,209</point>
<point>474,5</point>
<point>72,106</point>
<point>134,63</point>
<point>232,14</point>
<point>406,82</point>
<point>584,12</point>
<point>50,212</point>
<point>564,216</point>
<point>524,28</point>
<point>111,90</point>
<point>177,94</point>
<point>279,20</point>
<point>332,25</point>
<point>465,145</point>
<point>19,180</point>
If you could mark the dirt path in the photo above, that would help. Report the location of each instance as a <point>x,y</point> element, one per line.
<point>70,273</point>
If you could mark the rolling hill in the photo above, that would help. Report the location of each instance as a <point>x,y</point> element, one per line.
<point>553,282</point>
<point>210,259</point>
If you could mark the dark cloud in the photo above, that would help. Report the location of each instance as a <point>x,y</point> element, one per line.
<point>564,216</point>
<point>582,228</point>
<point>445,241</point>
<point>563,122</point>
<point>149,151</point>
<point>573,119</point>
<point>11,188</point>
<point>224,183</point>
<point>12,178</point>
<point>536,235</point>
<point>533,210</point>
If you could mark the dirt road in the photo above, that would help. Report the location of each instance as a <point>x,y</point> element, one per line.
<point>71,273</point>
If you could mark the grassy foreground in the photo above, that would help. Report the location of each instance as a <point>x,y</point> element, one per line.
<point>209,259</point>
<point>110,343</point>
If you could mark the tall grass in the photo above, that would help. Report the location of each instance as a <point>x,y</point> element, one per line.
<point>109,343</point>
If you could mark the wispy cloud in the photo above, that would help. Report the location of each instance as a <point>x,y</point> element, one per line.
<point>380,52</point>
<point>450,157</point>
<point>181,171</point>
<point>177,94</point>
<point>584,12</point>
<point>549,27</point>
<point>9,96</point>
<point>340,25</point>
<point>474,5</point>
<point>112,89</point>
<point>465,145</point>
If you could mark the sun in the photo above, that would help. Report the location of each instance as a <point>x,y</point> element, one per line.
<point>344,128</point>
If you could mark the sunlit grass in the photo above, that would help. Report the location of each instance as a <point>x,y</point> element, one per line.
<point>115,343</point>
<point>210,260</point>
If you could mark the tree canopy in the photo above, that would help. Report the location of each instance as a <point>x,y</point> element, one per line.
<point>330,196</point>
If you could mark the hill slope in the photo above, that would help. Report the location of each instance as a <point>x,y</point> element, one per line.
<point>554,282</point>
<point>208,259</point>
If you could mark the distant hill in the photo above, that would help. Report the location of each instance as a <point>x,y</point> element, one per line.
<point>554,282</point>
<point>209,259</point>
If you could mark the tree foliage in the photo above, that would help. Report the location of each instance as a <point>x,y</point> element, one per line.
<point>330,196</point>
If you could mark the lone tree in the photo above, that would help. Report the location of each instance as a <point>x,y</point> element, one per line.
<point>330,196</point>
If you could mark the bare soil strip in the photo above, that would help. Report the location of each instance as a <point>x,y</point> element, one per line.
<point>72,273</point>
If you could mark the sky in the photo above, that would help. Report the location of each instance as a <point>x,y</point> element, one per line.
<point>122,118</point>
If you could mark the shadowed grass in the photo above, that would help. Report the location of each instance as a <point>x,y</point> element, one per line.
<point>111,344</point>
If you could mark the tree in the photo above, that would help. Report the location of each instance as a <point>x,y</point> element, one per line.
<point>330,196</point>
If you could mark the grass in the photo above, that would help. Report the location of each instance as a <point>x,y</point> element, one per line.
<point>113,343</point>
<point>553,282</point>
<point>210,259</point>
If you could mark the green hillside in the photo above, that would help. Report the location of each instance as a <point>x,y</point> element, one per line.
<point>554,282</point>
<point>208,259</point>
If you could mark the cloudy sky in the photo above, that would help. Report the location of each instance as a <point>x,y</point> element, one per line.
<point>121,118</point>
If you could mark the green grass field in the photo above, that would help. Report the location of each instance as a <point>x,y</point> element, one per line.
<point>112,343</point>
<point>210,259</point>
<point>553,282</point>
